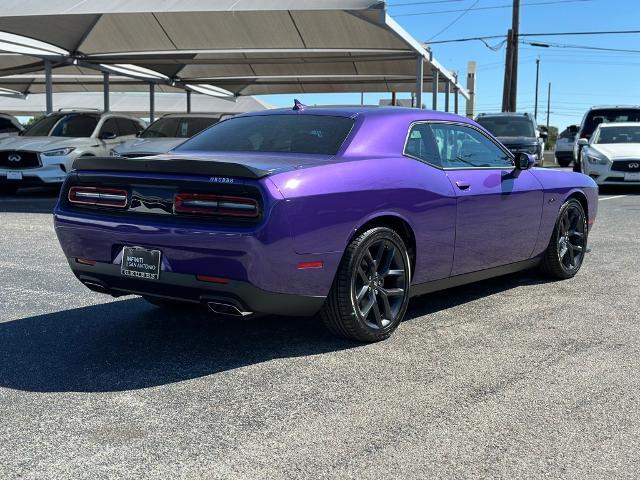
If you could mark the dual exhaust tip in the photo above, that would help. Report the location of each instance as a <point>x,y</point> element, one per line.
<point>228,309</point>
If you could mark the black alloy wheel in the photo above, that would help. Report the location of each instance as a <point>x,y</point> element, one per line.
<point>568,245</point>
<point>378,284</point>
<point>370,293</point>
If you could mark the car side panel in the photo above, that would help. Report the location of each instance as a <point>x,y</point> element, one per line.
<point>559,186</point>
<point>327,204</point>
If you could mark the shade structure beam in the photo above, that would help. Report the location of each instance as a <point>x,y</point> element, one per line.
<point>105,89</point>
<point>48,87</point>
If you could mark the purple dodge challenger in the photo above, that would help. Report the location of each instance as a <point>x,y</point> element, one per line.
<point>345,211</point>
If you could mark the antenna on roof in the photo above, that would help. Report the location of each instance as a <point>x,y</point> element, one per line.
<point>298,105</point>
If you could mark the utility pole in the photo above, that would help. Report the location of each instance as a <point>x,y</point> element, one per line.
<point>548,105</point>
<point>510,89</point>
<point>535,113</point>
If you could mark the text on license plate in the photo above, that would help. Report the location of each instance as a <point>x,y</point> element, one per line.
<point>633,176</point>
<point>140,263</point>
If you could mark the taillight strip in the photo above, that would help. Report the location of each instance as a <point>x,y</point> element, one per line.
<point>107,197</point>
<point>206,204</point>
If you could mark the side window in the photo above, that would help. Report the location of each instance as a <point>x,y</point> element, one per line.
<point>110,126</point>
<point>420,144</point>
<point>464,147</point>
<point>127,126</point>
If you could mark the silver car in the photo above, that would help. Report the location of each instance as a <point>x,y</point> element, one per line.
<point>166,133</point>
<point>45,152</point>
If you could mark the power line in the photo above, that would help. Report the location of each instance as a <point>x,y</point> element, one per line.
<point>578,47</point>
<point>549,34</point>
<point>492,7</point>
<point>455,20</point>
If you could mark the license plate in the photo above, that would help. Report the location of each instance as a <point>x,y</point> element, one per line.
<point>633,176</point>
<point>140,263</point>
<point>14,175</point>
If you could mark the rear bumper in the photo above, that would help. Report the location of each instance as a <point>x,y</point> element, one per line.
<point>106,278</point>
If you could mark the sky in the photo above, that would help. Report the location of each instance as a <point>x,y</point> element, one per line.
<point>579,77</point>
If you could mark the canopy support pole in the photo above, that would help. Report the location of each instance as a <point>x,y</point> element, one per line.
<point>436,85</point>
<point>152,102</point>
<point>105,89</point>
<point>188,101</point>
<point>456,100</point>
<point>447,92</point>
<point>419,80</point>
<point>48,86</point>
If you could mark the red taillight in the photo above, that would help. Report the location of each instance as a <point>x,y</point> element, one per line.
<point>210,279</point>
<point>104,197</point>
<point>206,204</point>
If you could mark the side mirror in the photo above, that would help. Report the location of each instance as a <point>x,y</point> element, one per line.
<point>107,136</point>
<point>583,142</point>
<point>544,135</point>
<point>524,161</point>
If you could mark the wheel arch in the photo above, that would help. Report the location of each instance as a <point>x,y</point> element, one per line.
<point>582,198</point>
<point>398,224</point>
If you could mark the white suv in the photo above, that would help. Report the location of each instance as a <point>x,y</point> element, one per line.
<point>45,152</point>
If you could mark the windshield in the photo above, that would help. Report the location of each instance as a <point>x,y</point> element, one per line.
<point>609,115</point>
<point>508,126</point>
<point>317,134</point>
<point>626,134</point>
<point>177,127</point>
<point>64,125</point>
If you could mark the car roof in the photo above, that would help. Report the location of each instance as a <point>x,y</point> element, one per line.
<point>619,124</point>
<point>193,115</point>
<point>614,107</point>
<point>348,111</point>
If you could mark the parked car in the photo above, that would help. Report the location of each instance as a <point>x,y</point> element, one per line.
<point>594,117</point>
<point>9,126</point>
<point>312,210</point>
<point>166,133</point>
<point>564,145</point>
<point>517,131</point>
<point>612,154</point>
<point>45,152</point>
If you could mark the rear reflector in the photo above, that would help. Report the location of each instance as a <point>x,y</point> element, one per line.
<point>205,204</point>
<point>306,265</point>
<point>207,278</point>
<point>107,197</point>
<point>85,261</point>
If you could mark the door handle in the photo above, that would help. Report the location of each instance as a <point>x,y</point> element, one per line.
<point>462,185</point>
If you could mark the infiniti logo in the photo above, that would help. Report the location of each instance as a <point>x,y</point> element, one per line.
<point>14,158</point>
<point>634,165</point>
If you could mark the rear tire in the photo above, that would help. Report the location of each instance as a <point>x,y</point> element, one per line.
<point>565,253</point>
<point>370,292</point>
<point>563,163</point>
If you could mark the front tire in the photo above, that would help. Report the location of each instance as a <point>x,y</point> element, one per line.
<point>563,163</point>
<point>370,292</point>
<point>565,253</point>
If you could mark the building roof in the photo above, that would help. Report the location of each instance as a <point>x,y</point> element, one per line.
<point>245,47</point>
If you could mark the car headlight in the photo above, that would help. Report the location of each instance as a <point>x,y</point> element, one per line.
<point>596,159</point>
<point>59,152</point>
<point>532,149</point>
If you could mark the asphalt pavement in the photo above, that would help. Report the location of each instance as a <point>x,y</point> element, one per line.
<point>516,377</point>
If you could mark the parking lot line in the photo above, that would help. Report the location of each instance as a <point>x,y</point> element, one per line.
<point>611,198</point>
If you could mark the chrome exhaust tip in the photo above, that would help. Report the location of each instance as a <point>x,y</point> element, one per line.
<point>227,309</point>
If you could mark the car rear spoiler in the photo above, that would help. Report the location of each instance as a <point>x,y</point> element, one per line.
<point>182,166</point>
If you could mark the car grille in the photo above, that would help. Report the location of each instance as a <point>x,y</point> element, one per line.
<point>19,159</point>
<point>626,166</point>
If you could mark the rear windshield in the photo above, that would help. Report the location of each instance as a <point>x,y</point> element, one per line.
<point>609,115</point>
<point>64,125</point>
<point>508,126</point>
<point>177,127</point>
<point>317,134</point>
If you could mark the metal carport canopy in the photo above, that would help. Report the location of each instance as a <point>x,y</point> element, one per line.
<point>246,47</point>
